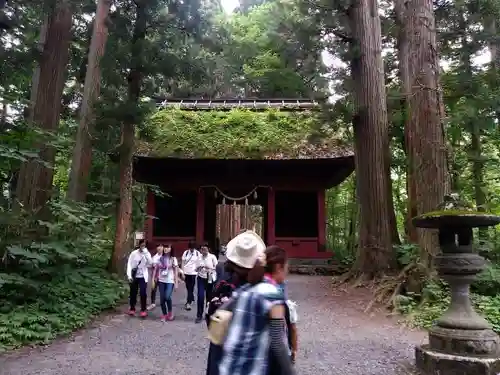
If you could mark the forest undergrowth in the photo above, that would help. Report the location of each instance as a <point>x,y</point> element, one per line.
<point>53,276</point>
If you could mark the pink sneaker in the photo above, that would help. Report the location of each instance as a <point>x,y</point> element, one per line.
<point>163,318</point>
<point>131,312</point>
<point>170,316</point>
<point>143,314</point>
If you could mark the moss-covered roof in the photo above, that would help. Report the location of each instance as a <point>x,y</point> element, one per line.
<point>239,134</point>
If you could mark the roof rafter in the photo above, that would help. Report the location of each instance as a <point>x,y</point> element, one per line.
<point>228,104</point>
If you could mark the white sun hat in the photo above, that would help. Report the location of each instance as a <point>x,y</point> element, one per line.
<point>244,249</point>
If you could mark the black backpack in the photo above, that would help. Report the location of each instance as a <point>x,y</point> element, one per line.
<point>222,292</point>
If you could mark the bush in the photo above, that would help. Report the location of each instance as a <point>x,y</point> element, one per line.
<point>66,303</point>
<point>52,272</point>
<point>436,299</point>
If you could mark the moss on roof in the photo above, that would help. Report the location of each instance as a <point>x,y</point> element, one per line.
<point>238,133</point>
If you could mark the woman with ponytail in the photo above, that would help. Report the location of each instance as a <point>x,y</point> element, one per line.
<point>255,341</point>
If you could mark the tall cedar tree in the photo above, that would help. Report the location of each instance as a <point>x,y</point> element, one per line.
<point>35,179</point>
<point>428,178</point>
<point>82,153</point>
<point>126,149</point>
<point>375,254</point>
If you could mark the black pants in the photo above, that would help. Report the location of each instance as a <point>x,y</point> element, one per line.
<point>153,293</point>
<point>190,282</point>
<point>204,294</point>
<point>138,285</point>
<point>214,358</point>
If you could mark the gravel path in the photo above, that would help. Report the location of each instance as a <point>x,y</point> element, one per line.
<point>335,337</point>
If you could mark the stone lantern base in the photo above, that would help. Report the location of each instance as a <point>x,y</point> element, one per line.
<point>431,362</point>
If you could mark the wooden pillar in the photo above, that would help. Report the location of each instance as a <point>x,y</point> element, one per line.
<point>200,216</point>
<point>321,220</point>
<point>271,216</point>
<point>150,212</point>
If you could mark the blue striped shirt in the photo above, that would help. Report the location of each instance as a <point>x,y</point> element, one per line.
<point>246,348</point>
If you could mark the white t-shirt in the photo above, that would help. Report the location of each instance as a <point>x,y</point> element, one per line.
<point>208,264</point>
<point>141,261</point>
<point>190,260</point>
<point>167,275</point>
<point>155,259</point>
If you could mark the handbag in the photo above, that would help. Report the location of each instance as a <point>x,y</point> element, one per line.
<point>221,319</point>
<point>219,323</point>
<point>133,273</point>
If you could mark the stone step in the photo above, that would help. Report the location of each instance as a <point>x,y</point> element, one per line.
<point>321,269</point>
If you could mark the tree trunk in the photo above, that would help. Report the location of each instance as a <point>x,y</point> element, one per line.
<point>35,179</point>
<point>350,234</point>
<point>425,141</point>
<point>3,115</point>
<point>404,76</point>
<point>82,153</point>
<point>375,253</point>
<point>123,220</point>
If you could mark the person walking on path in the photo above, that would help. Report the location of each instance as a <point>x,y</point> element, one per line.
<point>205,280</point>
<point>137,273</point>
<point>154,284</point>
<point>241,255</point>
<point>189,262</point>
<point>255,342</point>
<point>166,276</point>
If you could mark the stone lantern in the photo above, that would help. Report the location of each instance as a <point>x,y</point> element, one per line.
<point>461,342</point>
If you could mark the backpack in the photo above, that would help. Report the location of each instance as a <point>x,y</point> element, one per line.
<point>219,312</point>
<point>222,292</point>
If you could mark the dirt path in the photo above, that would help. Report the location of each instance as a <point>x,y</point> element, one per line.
<point>336,337</point>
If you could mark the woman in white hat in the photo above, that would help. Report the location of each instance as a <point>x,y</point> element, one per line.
<point>241,253</point>
<point>255,337</point>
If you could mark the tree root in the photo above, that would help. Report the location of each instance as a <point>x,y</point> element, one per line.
<point>385,288</point>
<point>389,287</point>
<point>352,278</point>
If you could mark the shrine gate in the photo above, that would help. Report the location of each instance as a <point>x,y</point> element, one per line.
<point>291,192</point>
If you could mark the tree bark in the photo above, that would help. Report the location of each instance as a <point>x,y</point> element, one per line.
<point>35,179</point>
<point>404,76</point>
<point>375,252</point>
<point>425,140</point>
<point>124,218</point>
<point>350,233</point>
<point>82,153</point>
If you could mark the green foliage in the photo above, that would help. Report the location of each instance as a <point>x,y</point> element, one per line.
<point>488,282</point>
<point>436,299</point>
<point>341,233</point>
<point>52,277</point>
<point>52,261</point>
<point>65,303</point>
<point>407,253</point>
<point>273,50</point>
<point>229,134</point>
